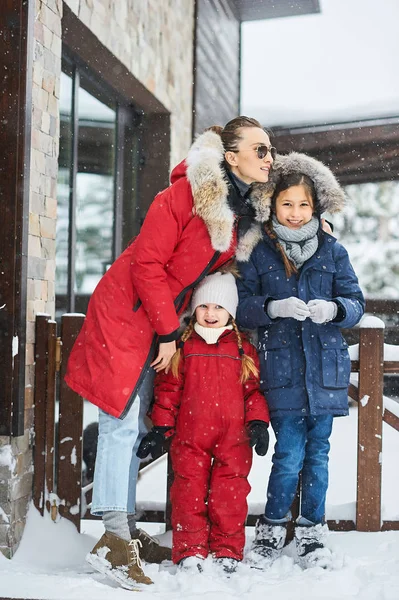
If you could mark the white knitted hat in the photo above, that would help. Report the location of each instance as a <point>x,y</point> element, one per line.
<point>218,288</point>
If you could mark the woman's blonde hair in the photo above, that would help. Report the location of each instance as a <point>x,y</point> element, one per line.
<point>248,366</point>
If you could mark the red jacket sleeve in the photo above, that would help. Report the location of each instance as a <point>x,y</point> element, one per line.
<point>155,244</point>
<point>168,391</point>
<point>256,408</point>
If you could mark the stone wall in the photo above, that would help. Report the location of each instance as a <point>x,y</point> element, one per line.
<point>16,468</point>
<point>43,176</point>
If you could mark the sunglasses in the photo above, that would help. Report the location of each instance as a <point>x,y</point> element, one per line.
<point>262,151</point>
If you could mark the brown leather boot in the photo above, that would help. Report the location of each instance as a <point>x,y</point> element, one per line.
<point>119,560</point>
<point>151,550</point>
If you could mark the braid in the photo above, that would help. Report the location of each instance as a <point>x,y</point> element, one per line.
<point>248,366</point>
<point>289,266</point>
<point>175,362</point>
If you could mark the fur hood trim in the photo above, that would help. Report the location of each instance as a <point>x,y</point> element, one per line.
<point>210,189</point>
<point>330,195</point>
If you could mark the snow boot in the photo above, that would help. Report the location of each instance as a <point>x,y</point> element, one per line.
<point>268,543</point>
<point>151,550</point>
<point>191,564</point>
<point>309,541</point>
<point>119,560</point>
<point>227,564</point>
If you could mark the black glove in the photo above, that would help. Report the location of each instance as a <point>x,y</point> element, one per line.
<point>259,436</point>
<point>153,443</point>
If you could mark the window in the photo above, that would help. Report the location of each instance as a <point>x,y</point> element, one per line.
<point>97,185</point>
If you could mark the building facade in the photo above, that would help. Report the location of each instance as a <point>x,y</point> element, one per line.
<point>106,108</point>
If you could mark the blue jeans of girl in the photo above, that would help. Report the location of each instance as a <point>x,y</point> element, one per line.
<point>116,468</point>
<point>302,444</point>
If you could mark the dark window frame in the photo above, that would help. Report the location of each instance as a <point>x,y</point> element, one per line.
<point>16,43</point>
<point>128,121</point>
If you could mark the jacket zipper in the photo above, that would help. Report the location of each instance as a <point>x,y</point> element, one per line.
<point>180,298</point>
<point>140,379</point>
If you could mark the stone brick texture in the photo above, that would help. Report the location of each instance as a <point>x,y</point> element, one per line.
<point>43,177</point>
<point>16,476</point>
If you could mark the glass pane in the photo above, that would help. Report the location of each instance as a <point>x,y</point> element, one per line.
<point>63,183</point>
<point>95,195</point>
<point>369,230</point>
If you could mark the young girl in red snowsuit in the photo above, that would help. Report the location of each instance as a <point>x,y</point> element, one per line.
<point>211,403</point>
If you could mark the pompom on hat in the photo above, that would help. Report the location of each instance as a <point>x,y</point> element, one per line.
<point>218,288</point>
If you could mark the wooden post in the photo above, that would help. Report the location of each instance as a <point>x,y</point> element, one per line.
<point>371,379</point>
<point>17,48</point>
<point>39,452</point>
<point>50,410</point>
<point>70,430</point>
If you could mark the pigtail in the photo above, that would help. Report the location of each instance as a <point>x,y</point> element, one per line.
<point>248,366</point>
<point>289,266</point>
<point>175,362</point>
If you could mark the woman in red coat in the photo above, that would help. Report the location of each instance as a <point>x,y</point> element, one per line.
<point>192,228</point>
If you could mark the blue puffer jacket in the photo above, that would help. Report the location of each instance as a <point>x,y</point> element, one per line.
<point>305,367</point>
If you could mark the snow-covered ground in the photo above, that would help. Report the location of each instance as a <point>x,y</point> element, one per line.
<point>49,563</point>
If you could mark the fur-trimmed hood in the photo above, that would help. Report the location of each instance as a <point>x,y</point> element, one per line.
<point>330,195</point>
<point>210,188</point>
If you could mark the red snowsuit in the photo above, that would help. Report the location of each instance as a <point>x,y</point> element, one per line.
<point>209,408</point>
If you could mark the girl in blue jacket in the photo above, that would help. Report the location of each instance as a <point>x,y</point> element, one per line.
<point>299,289</point>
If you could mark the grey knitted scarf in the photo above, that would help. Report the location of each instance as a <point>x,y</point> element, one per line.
<point>298,244</point>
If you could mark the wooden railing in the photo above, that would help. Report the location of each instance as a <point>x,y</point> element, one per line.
<point>58,458</point>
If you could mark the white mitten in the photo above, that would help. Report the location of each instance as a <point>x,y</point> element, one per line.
<point>292,307</point>
<point>322,311</point>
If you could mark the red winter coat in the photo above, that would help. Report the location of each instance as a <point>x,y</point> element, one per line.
<point>209,408</point>
<point>189,231</point>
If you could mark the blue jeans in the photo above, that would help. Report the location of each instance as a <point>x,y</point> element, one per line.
<point>116,468</point>
<point>302,443</point>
